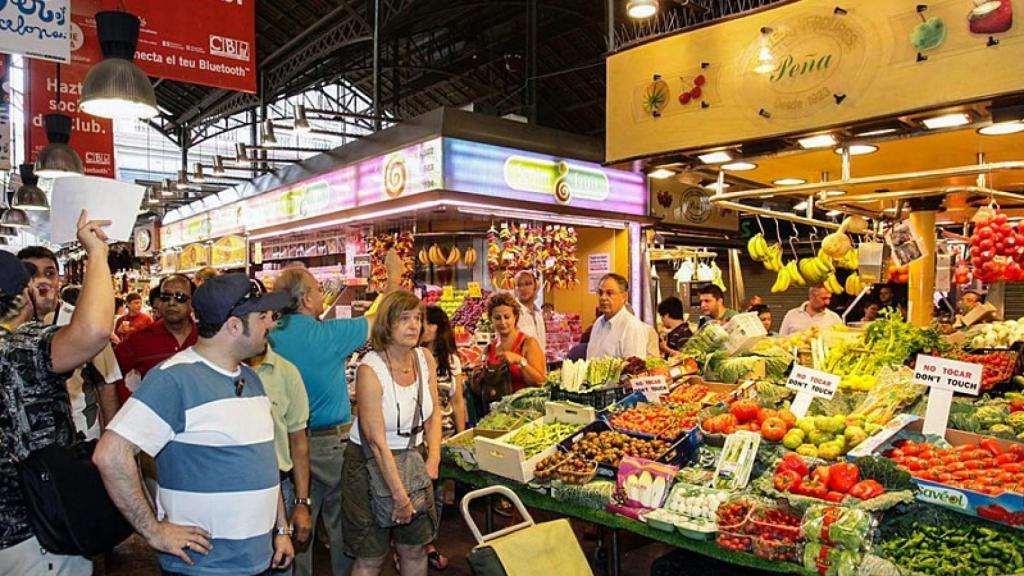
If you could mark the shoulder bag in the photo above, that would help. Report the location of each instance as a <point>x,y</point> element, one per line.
<point>412,471</point>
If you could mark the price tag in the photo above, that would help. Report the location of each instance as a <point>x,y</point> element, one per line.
<point>448,293</point>
<point>945,377</point>
<point>474,290</point>
<point>653,387</point>
<point>810,384</point>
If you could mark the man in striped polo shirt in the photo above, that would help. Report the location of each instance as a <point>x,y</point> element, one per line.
<point>205,418</point>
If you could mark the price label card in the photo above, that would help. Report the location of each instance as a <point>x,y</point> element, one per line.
<point>448,293</point>
<point>810,384</point>
<point>945,377</point>
<point>653,387</point>
<point>474,290</point>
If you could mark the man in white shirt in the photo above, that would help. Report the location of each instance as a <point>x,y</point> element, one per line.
<point>813,313</point>
<point>617,332</point>
<point>531,317</point>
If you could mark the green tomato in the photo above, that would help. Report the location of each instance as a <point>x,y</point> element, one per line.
<point>829,424</point>
<point>806,424</point>
<point>854,435</point>
<point>819,437</point>
<point>830,450</point>
<point>794,438</point>
<point>809,450</point>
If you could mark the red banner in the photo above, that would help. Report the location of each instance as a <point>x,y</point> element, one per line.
<point>208,42</point>
<point>91,137</point>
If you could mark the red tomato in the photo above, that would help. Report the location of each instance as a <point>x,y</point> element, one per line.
<point>744,410</point>
<point>773,429</point>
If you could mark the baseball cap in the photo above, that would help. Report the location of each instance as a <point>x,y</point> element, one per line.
<point>14,274</point>
<point>222,297</point>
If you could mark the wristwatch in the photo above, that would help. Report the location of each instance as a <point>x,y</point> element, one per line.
<point>522,362</point>
<point>307,502</point>
<point>283,531</point>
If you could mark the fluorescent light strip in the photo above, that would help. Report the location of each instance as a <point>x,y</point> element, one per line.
<point>819,141</point>
<point>946,121</point>
<point>879,132</point>
<point>1002,128</point>
<point>738,166</point>
<point>715,157</point>
<point>858,149</point>
<point>789,181</point>
<point>801,206</point>
<point>660,174</point>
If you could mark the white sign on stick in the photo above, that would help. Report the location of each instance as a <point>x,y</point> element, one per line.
<point>945,377</point>
<point>36,29</point>
<point>102,198</point>
<point>810,384</point>
<point>653,387</point>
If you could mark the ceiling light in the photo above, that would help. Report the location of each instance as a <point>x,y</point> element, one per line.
<point>715,157</point>
<point>167,190</point>
<point>1002,128</point>
<point>151,196</point>
<point>946,121</point>
<point>640,9</point>
<point>800,206</point>
<point>57,159</point>
<point>714,186</point>
<point>116,87</point>
<point>738,166</point>
<point>878,132</point>
<point>9,232</point>
<point>789,181</point>
<point>858,149</point>
<point>269,139</point>
<point>198,177</point>
<point>765,59</point>
<point>218,166</point>
<point>819,141</point>
<point>241,152</point>
<point>15,218</point>
<point>301,124</point>
<point>833,213</point>
<point>29,196</point>
<point>182,182</point>
<point>660,174</point>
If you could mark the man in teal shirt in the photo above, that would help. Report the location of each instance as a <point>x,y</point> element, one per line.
<point>320,350</point>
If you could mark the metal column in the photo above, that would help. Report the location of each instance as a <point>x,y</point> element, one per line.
<point>531,60</point>
<point>376,65</point>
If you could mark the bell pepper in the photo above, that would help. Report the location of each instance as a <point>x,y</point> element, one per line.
<point>992,446</point>
<point>843,476</point>
<point>787,480</point>
<point>822,474</point>
<point>792,461</point>
<point>835,497</point>
<point>867,489</point>
<point>813,487</point>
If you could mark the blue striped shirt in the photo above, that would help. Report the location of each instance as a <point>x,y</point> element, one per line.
<point>215,459</point>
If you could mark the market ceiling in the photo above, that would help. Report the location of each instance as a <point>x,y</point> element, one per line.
<point>437,53</point>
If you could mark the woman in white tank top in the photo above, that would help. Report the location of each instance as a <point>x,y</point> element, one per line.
<point>396,391</point>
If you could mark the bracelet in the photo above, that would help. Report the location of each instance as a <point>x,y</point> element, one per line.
<point>283,531</point>
<point>307,502</point>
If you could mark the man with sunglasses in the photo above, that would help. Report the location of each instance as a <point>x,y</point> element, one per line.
<point>172,333</point>
<point>205,417</point>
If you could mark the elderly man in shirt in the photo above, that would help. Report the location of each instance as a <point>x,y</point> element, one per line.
<point>531,317</point>
<point>618,333</point>
<point>813,313</point>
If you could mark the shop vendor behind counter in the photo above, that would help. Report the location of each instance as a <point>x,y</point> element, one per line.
<point>813,313</point>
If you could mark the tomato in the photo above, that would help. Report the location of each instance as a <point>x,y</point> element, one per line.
<point>773,429</point>
<point>766,413</point>
<point>788,417</point>
<point>914,464</point>
<point>744,410</point>
<point>950,459</point>
<point>974,465</point>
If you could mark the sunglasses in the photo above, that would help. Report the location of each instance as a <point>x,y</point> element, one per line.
<point>255,291</point>
<point>179,297</point>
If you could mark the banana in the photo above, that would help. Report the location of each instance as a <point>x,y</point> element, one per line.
<point>453,256</point>
<point>470,257</point>
<point>794,274</point>
<point>423,257</point>
<point>437,257</point>
<point>832,283</point>
<point>853,285</point>
<point>781,282</point>
<point>756,247</point>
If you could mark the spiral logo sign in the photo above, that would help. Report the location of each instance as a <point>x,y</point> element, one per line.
<point>557,178</point>
<point>563,190</point>
<point>396,175</point>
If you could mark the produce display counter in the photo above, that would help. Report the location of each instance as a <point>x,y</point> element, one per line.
<point>533,499</point>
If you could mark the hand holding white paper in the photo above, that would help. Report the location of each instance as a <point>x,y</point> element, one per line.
<point>103,198</point>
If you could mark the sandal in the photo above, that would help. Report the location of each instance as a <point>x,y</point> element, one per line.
<point>504,508</point>
<point>436,559</point>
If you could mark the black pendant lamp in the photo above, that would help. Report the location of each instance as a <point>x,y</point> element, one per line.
<point>29,195</point>
<point>116,87</point>
<point>57,159</point>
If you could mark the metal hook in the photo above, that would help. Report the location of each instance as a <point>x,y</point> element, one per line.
<point>759,224</point>
<point>778,230</point>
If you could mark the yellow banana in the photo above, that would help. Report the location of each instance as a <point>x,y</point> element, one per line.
<point>794,274</point>
<point>423,257</point>
<point>437,257</point>
<point>752,248</point>
<point>453,256</point>
<point>781,281</point>
<point>470,257</point>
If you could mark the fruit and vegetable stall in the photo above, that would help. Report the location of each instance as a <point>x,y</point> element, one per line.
<point>718,450</point>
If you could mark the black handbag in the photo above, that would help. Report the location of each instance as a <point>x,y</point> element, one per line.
<point>68,506</point>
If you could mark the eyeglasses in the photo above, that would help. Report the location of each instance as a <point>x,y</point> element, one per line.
<point>179,297</point>
<point>255,291</point>
<point>419,408</point>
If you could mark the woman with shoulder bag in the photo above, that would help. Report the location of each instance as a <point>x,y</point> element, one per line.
<point>513,361</point>
<point>394,448</point>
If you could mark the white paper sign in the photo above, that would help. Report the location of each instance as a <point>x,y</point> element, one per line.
<point>653,387</point>
<point>36,29</point>
<point>599,264</point>
<point>103,198</point>
<point>944,377</point>
<point>810,384</point>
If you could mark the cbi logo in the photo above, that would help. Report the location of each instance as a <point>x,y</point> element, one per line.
<point>229,48</point>
<point>97,158</point>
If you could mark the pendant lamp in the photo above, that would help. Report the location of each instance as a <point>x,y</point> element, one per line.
<point>29,195</point>
<point>301,124</point>
<point>116,87</point>
<point>241,152</point>
<point>640,9</point>
<point>57,159</point>
<point>198,177</point>
<point>182,182</point>
<point>8,232</point>
<point>15,218</point>
<point>269,138</point>
<point>218,166</point>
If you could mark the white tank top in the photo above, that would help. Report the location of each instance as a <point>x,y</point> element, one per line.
<point>395,399</point>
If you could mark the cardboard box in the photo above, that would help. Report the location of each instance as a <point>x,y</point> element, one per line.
<point>954,498</point>
<point>745,330</point>
<point>497,456</point>
<point>979,313</point>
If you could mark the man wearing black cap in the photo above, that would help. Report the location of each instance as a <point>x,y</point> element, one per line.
<point>35,361</point>
<point>204,416</point>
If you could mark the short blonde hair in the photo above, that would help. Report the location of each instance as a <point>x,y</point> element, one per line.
<point>502,299</point>
<point>388,313</point>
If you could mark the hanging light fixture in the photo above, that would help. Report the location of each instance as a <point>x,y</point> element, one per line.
<point>15,218</point>
<point>218,166</point>
<point>8,232</point>
<point>116,87</point>
<point>168,189</point>
<point>241,152</point>
<point>198,177</point>
<point>640,9</point>
<point>182,182</point>
<point>765,58</point>
<point>301,125</point>
<point>29,196</point>
<point>269,139</point>
<point>57,159</point>
<point>151,196</point>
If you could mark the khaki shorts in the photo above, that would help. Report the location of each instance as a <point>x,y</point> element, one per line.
<point>363,538</point>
